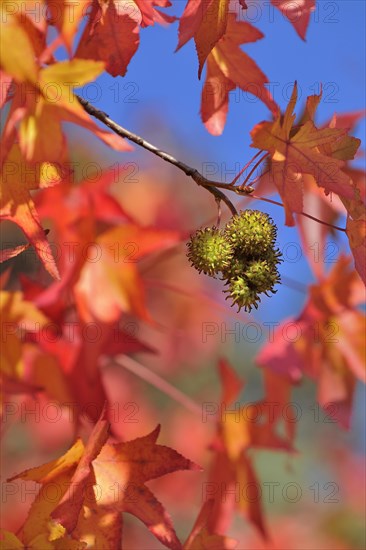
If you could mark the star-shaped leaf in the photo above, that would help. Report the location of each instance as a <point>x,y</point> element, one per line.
<point>305,150</point>
<point>228,67</point>
<point>95,484</point>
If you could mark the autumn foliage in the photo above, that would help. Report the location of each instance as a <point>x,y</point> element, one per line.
<point>110,314</point>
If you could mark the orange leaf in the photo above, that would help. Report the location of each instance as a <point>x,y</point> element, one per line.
<point>9,253</point>
<point>151,15</point>
<point>230,382</point>
<point>68,508</point>
<point>111,35</point>
<point>329,347</point>
<point>356,223</point>
<point>116,475</point>
<point>212,28</point>
<point>356,232</point>
<point>201,539</point>
<point>305,150</point>
<point>16,204</point>
<point>229,67</point>
<point>240,428</point>
<point>206,21</point>
<point>112,32</point>
<point>117,273</point>
<point>17,57</point>
<point>66,15</point>
<point>122,471</point>
<point>43,98</point>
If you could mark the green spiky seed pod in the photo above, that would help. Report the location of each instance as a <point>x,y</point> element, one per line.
<point>209,251</point>
<point>252,233</point>
<point>242,294</point>
<point>262,275</point>
<point>274,256</point>
<point>239,264</point>
<point>236,267</point>
<point>244,253</point>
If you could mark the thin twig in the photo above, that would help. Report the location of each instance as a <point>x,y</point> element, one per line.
<point>188,170</point>
<point>245,167</point>
<point>242,186</point>
<point>293,284</point>
<point>155,380</point>
<point>277,203</point>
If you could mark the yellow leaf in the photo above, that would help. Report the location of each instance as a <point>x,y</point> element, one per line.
<point>28,135</point>
<point>51,470</point>
<point>212,28</point>
<point>17,54</point>
<point>15,313</point>
<point>278,156</point>
<point>235,434</point>
<point>72,14</point>
<point>57,531</point>
<point>40,542</point>
<point>35,130</point>
<point>9,541</point>
<point>72,74</point>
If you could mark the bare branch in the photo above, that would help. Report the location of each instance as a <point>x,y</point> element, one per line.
<point>188,170</point>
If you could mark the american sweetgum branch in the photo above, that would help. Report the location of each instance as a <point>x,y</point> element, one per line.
<point>211,186</point>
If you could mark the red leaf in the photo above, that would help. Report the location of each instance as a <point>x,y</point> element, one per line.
<point>298,13</point>
<point>307,150</point>
<point>200,537</point>
<point>151,15</point>
<point>230,382</point>
<point>111,35</point>
<point>325,342</point>
<point>9,253</point>
<point>112,32</point>
<point>229,67</point>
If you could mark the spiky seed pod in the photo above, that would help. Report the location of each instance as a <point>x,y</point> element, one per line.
<point>209,251</point>
<point>239,264</point>
<point>242,294</point>
<point>236,267</point>
<point>251,232</point>
<point>274,256</point>
<point>262,275</point>
<point>244,253</point>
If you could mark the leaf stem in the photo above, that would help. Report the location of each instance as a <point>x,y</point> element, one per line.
<point>245,167</point>
<point>253,169</point>
<point>277,203</point>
